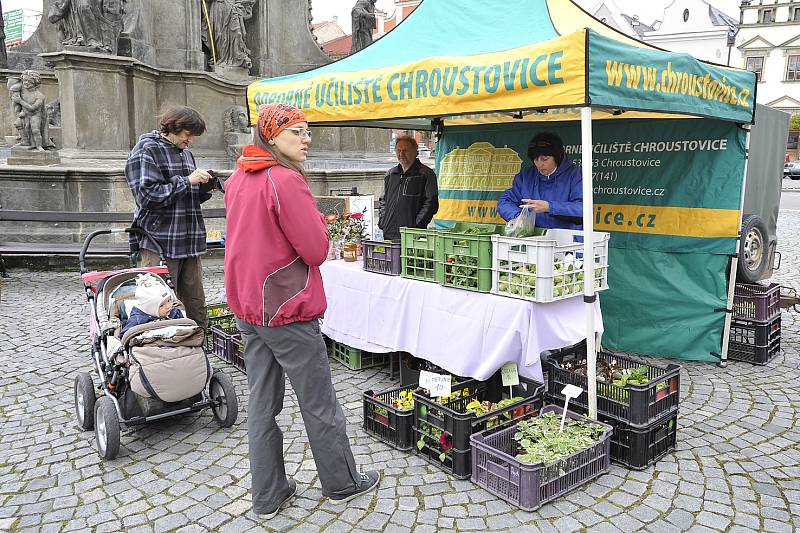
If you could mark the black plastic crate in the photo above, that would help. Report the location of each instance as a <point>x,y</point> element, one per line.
<point>638,405</point>
<point>389,424</point>
<point>753,342</point>
<point>633,447</point>
<point>433,420</point>
<point>227,345</point>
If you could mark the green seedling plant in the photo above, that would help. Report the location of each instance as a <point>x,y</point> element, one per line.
<point>541,442</point>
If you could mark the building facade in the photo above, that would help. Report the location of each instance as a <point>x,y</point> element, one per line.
<point>769,44</point>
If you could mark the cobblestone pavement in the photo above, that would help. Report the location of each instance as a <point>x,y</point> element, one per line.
<point>736,468</point>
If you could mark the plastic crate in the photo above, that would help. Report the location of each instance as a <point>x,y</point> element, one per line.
<point>431,419</point>
<point>638,405</point>
<point>355,359</point>
<point>464,261</point>
<point>218,315</point>
<point>418,249</point>
<point>755,302</point>
<point>529,486</point>
<point>637,448</point>
<point>236,352</point>
<point>548,268</point>
<point>227,345</point>
<point>382,257</point>
<point>389,424</point>
<point>753,342</point>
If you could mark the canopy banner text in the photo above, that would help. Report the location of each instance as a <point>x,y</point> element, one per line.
<point>539,75</point>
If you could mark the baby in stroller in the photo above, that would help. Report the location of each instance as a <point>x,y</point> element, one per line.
<point>154,300</point>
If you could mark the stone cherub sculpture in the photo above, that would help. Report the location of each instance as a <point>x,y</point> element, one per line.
<point>14,85</point>
<point>32,112</point>
<point>363,19</point>
<point>223,32</point>
<point>93,24</point>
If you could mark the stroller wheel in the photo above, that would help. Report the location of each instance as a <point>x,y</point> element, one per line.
<point>84,401</point>
<point>106,428</point>
<point>224,403</point>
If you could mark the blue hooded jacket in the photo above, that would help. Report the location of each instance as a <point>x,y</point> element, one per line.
<point>562,189</point>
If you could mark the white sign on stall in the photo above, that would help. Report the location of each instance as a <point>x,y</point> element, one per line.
<point>436,384</point>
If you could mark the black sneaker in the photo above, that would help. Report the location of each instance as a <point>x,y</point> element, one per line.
<point>292,492</point>
<point>369,481</point>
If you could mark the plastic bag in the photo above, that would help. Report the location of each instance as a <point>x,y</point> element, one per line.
<point>522,226</point>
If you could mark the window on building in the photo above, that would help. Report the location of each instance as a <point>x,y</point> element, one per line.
<point>756,64</point>
<point>766,16</point>
<point>793,68</point>
<point>685,15</point>
<point>795,14</point>
<point>791,141</point>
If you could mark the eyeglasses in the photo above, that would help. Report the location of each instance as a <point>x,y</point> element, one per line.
<point>301,132</point>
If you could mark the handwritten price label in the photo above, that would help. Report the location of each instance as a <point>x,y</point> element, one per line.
<point>436,384</point>
<point>509,374</point>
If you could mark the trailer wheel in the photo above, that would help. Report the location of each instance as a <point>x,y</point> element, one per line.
<point>84,401</point>
<point>106,428</point>
<point>224,403</point>
<point>753,250</point>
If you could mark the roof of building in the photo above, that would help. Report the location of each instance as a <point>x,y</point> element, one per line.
<point>339,47</point>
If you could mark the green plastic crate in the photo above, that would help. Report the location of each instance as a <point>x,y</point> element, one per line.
<point>355,359</point>
<point>465,261</point>
<point>418,253</point>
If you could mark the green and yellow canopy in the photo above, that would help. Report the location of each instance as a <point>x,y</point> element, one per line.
<point>481,61</point>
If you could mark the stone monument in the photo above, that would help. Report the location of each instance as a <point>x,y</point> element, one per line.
<point>363,19</point>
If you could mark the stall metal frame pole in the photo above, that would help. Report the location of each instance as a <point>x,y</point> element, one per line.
<point>726,330</point>
<point>589,295</point>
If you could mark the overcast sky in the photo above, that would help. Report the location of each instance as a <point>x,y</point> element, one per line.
<point>647,11</point>
<point>326,9</point>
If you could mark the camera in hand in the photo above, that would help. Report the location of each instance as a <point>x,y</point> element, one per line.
<point>214,183</point>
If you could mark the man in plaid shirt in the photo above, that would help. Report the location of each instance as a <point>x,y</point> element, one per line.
<point>166,187</point>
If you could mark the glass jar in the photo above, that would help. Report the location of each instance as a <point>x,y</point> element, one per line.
<point>350,252</point>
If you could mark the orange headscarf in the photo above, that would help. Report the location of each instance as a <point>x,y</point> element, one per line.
<point>272,119</point>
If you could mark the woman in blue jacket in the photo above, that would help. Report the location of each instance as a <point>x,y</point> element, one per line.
<point>552,186</point>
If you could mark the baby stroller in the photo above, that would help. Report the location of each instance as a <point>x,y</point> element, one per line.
<point>153,371</point>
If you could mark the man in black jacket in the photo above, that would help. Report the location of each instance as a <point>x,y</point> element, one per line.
<point>410,195</point>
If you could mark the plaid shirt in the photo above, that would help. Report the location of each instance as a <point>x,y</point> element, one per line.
<point>167,206</point>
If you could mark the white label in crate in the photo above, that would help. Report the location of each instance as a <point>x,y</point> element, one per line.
<point>571,391</point>
<point>436,384</point>
<point>509,374</point>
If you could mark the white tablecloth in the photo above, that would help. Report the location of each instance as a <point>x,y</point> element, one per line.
<point>466,333</point>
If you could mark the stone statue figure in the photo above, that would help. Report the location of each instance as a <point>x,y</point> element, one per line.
<point>92,24</point>
<point>226,19</point>
<point>237,132</point>
<point>31,103</point>
<point>236,120</point>
<point>363,18</point>
<point>14,85</point>
<point>3,54</point>
<point>54,113</point>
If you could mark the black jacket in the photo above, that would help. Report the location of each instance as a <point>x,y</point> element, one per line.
<point>409,199</point>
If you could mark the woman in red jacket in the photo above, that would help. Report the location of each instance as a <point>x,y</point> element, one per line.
<point>275,241</point>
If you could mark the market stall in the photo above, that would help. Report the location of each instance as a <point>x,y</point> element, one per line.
<point>528,62</point>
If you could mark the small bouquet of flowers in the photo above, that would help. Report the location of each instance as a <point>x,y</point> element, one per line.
<point>347,228</point>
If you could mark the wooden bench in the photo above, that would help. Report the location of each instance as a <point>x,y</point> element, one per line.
<point>25,248</point>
